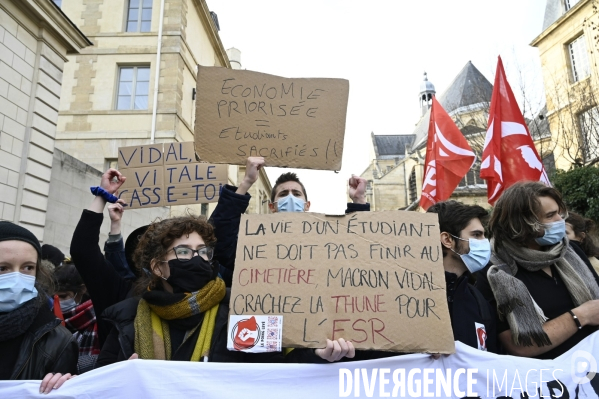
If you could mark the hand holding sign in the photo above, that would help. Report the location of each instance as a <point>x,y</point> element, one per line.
<point>252,171</point>
<point>336,350</point>
<point>168,174</point>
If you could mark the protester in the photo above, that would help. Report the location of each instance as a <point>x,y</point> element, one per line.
<point>33,344</point>
<point>580,231</point>
<point>184,306</point>
<point>466,251</point>
<point>104,284</point>
<point>79,315</point>
<point>287,195</point>
<point>114,249</point>
<point>546,295</point>
<point>53,254</point>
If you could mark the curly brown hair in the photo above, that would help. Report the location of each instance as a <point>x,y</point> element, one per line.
<point>159,237</point>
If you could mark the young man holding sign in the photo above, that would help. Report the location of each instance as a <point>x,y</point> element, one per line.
<point>466,251</point>
<point>288,195</point>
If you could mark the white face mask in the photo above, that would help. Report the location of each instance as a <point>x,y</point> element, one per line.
<point>479,255</point>
<point>15,289</point>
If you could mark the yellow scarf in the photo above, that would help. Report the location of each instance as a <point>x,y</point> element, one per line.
<point>152,336</point>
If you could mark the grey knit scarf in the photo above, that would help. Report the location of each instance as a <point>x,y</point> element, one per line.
<point>514,302</point>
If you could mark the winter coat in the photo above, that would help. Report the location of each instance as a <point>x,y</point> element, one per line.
<point>46,347</point>
<point>120,344</point>
<point>105,285</point>
<point>472,316</point>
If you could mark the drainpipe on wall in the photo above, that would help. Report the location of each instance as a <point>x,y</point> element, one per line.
<point>157,74</point>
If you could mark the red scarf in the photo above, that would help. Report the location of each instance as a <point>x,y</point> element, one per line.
<point>81,321</point>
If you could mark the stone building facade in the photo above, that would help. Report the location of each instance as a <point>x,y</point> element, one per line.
<point>568,46</point>
<point>36,40</point>
<point>137,83</point>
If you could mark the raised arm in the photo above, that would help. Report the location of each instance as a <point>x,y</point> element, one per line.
<point>357,193</point>
<point>232,203</point>
<point>114,248</point>
<point>104,285</point>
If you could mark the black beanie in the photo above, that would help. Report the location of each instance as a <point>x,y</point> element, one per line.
<point>10,231</point>
<point>131,245</point>
<point>53,254</point>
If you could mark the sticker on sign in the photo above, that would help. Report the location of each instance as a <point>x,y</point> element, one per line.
<point>255,334</point>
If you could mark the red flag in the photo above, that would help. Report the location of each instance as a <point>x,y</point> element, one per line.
<point>448,158</point>
<point>509,154</point>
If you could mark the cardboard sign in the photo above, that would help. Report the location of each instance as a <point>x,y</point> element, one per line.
<point>374,278</point>
<point>296,123</point>
<point>168,174</point>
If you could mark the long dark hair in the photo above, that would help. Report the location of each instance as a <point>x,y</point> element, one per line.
<point>586,229</point>
<point>514,217</point>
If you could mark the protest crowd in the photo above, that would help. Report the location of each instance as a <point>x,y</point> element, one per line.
<point>520,280</point>
<point>164,294</point>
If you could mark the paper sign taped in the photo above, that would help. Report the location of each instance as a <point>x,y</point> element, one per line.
<point>168,174</point>
<point>296,123</point>
<point>255,333</point>
<point>373,278</point>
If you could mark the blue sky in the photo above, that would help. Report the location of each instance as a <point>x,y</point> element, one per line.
<point>382,47</point>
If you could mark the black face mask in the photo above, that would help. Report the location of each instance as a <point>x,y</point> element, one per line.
<point>190,276</point>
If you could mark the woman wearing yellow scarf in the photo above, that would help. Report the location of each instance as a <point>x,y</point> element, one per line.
<point>181,305</point>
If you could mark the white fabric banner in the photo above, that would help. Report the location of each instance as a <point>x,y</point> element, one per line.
<point>468,372</point>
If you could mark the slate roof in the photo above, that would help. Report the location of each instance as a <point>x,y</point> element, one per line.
<point>553,10</point>
<point>392,146</point>
<point>469,87</point>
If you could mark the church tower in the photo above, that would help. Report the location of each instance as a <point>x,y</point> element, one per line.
<point>427,91</point>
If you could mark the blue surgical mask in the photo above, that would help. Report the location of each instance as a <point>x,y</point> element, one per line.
<point>15,289</point>
<point>290,204</point>
<point>479,255</point>
<point>554,233</point>
<point>67,304</point>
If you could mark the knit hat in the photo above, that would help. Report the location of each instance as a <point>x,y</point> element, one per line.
<point>11,231</point>
<point>52,254</point>
<point>131,245</point>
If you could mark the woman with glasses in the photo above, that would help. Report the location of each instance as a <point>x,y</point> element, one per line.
<point>179,308</point>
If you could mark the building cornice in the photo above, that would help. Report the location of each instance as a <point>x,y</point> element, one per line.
<point>213,35</point>
<point>569,14</point>
<point>56,22</point>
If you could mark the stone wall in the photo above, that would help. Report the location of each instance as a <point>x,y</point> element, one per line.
<point>70,195</point>
<point>34,41</point>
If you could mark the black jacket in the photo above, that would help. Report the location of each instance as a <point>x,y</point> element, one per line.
<point>120,344</point>
<point>468,310</point>
<point>105,285</point>
<point>46,347</point>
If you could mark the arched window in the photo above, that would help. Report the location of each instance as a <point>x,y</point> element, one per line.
<point>412,186</point>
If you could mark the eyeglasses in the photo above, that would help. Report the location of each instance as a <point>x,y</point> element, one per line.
<point>185,254</point>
